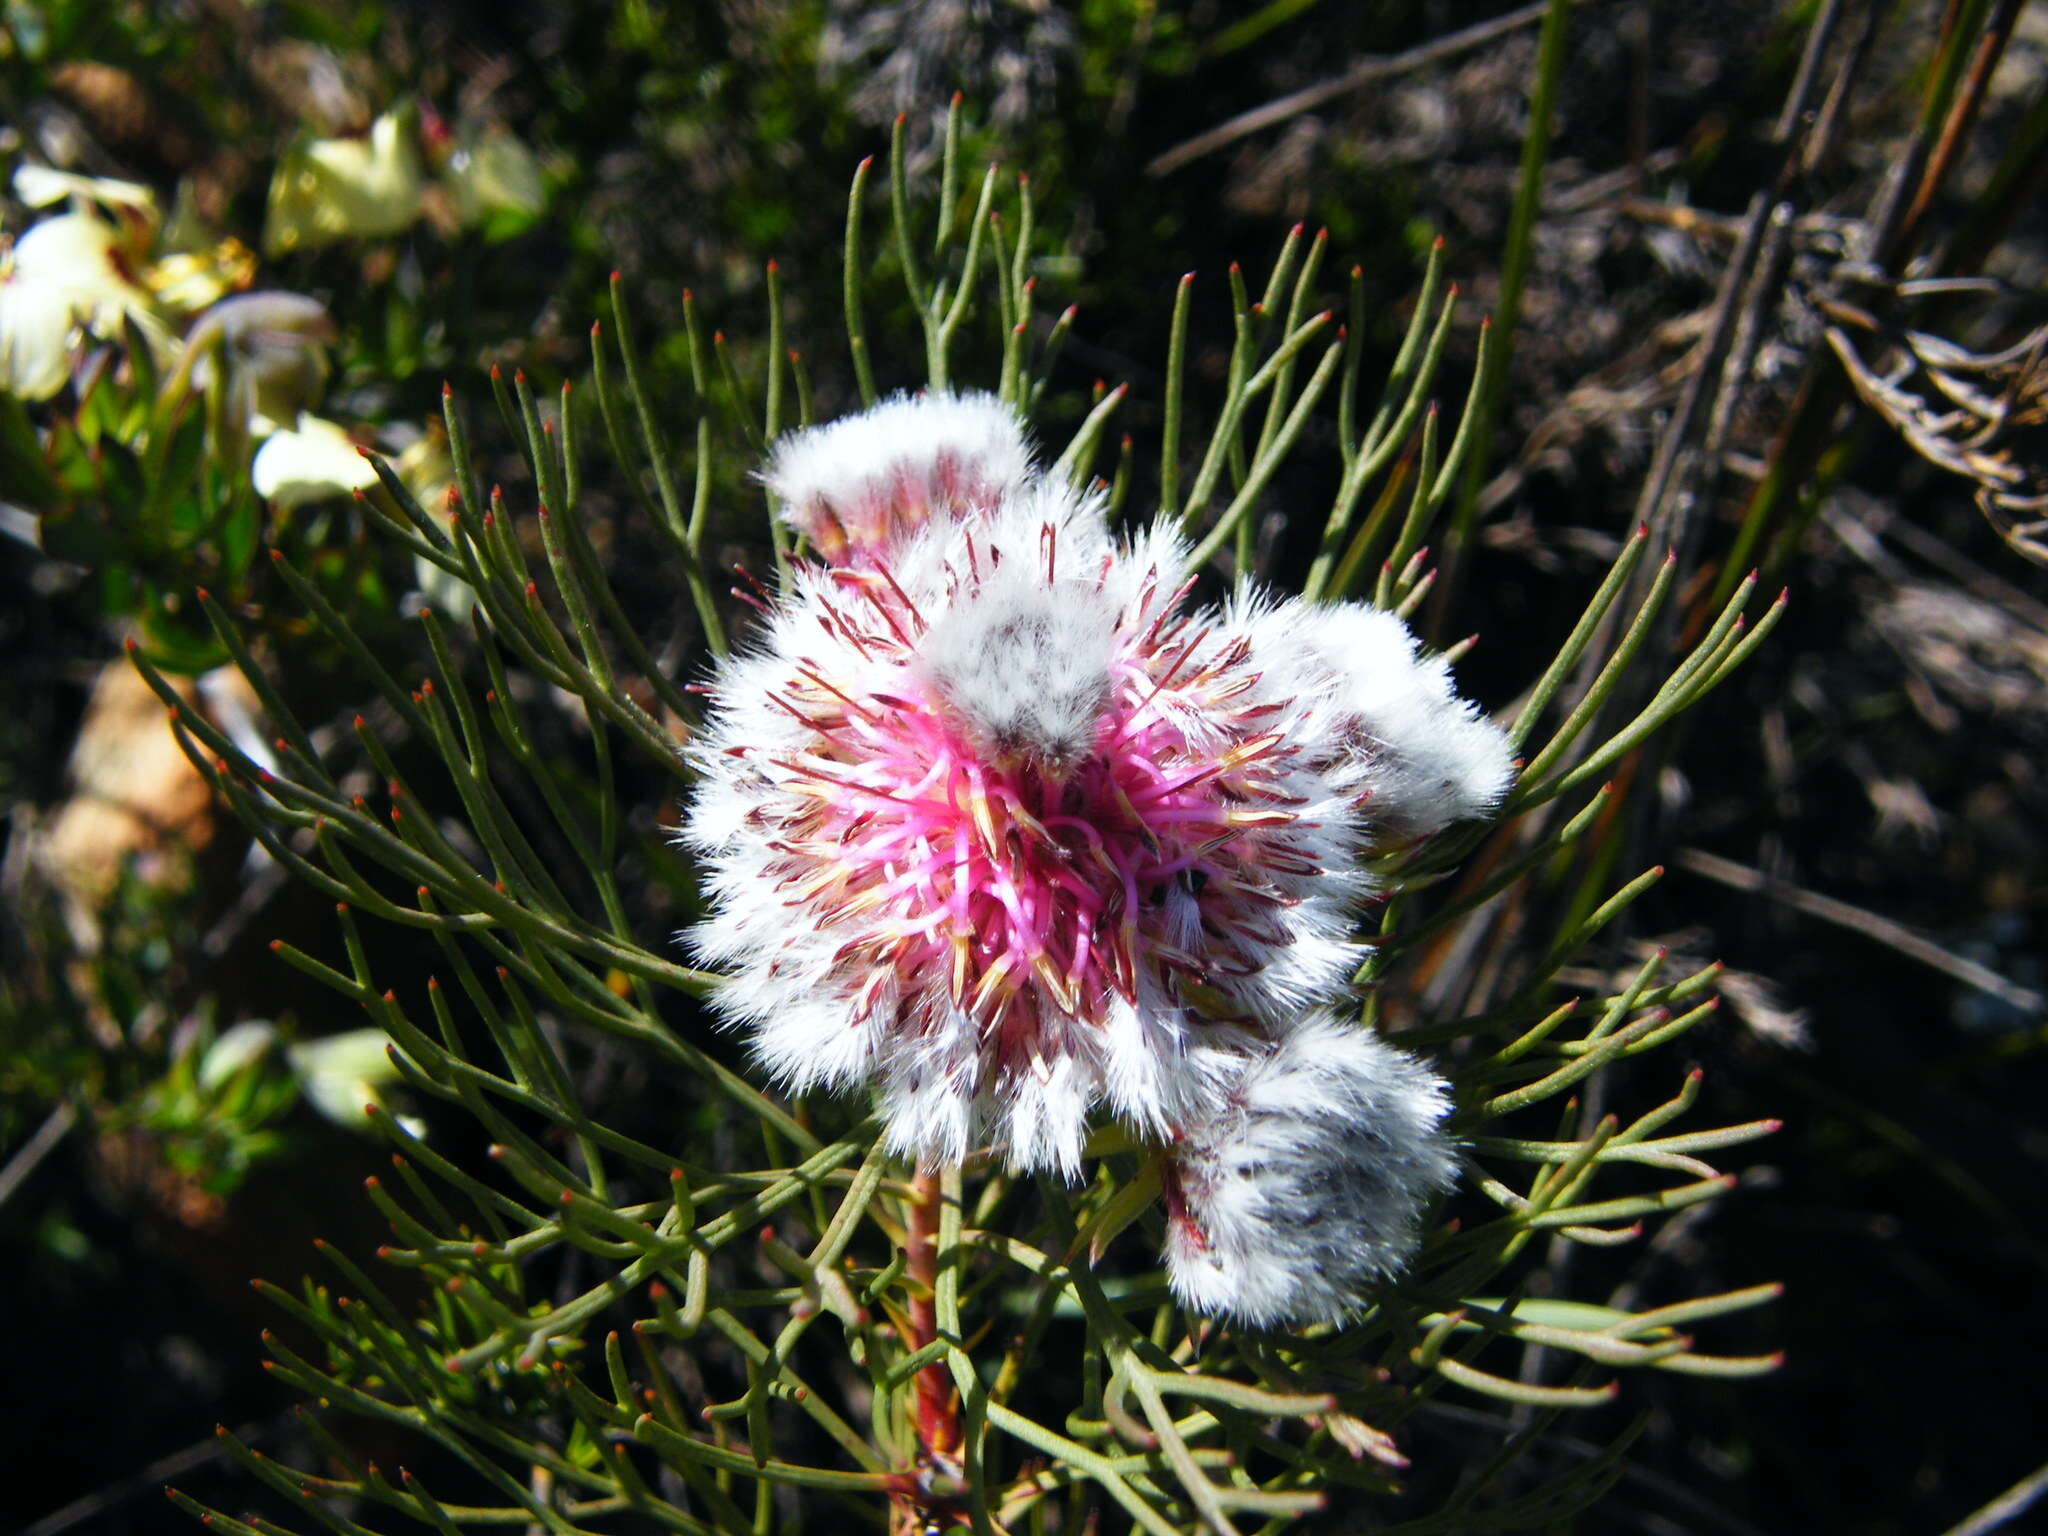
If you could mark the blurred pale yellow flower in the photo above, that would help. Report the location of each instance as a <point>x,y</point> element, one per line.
<point>185,282</point>
<point>337,189</point>
<point>339,1075</point>
<point>428,471</point>
<point>495,180</point>
<point>272,345</point>
<point>68,273</point>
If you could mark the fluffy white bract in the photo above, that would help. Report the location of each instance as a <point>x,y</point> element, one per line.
<point>991,820</point>
<point>863,483</point>
<point>1307,1184</point>
<point>1427,757</point>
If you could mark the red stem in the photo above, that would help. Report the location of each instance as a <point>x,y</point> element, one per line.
<point>938,1421</point>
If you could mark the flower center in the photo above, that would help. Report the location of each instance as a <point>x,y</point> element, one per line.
<point>1030,894</point>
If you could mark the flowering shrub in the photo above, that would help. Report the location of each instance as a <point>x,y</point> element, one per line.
<point>994,811</point>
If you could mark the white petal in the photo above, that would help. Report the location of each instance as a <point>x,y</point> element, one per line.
<point>36,322</point>
<point>313,461</point>
<point>39,186</point>
<point>237,1046</point>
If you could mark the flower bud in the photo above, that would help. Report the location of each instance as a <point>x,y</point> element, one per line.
<point>1308,1183</point>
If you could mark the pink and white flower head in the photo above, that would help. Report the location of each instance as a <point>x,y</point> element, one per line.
<point>1306,1185</point>
<point>989,819</point>
<point>862,484</point>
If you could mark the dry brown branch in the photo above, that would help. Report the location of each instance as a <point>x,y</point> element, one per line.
<point>1990,431</point>
<point>1364,72</point>
<point>1891,934</point>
